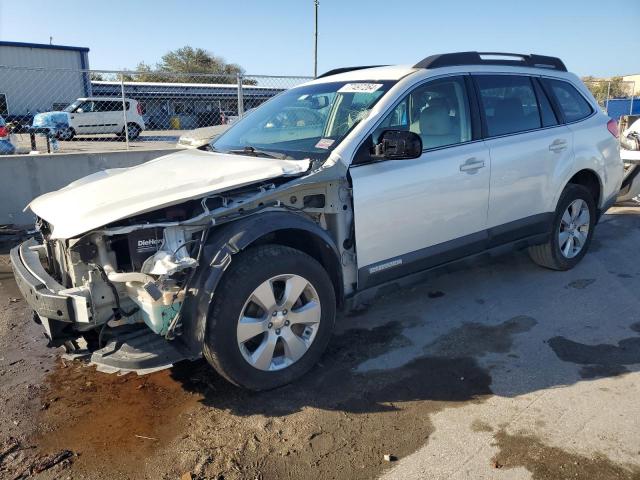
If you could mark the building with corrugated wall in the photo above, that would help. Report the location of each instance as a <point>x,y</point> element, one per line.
<point>37,77</point>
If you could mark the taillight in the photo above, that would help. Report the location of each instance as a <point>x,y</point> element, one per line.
<point>612,126</point>
<point>139,107</point>
<point>4,132</point>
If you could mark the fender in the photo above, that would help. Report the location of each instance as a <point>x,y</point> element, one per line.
<point>224,242</point>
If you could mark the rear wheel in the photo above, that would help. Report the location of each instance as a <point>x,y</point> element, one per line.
<point>133,131</point>
<point>571,231</point>
<point>271,317</point>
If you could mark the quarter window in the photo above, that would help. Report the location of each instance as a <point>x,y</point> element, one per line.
<point>437,111</point>
<point>509,104</point>
<point>573,105</point>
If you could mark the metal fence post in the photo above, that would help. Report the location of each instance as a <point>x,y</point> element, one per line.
<point>124,111</point>
<point>240,96</point>
<point>633,93</point>
<point>606,105</point>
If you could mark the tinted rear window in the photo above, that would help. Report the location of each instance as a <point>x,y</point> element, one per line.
<point>509,104</point>
<point>572,103</point>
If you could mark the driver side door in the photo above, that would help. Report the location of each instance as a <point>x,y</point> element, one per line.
<point>83,118</point>
<point>411,215</point>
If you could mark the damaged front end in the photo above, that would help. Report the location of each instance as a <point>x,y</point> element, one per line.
<point>127,285</point>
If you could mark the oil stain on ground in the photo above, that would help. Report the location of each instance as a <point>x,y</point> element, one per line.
<point>601,360</point>
<point>476,339</point>
<point>551,463</point>
<point>581,284</point>
<point>336,423</point>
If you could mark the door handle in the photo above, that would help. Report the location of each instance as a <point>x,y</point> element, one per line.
<point>472,165</point>
<point>558,145</point>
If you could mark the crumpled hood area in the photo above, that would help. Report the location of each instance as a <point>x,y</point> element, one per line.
<point>110,195</point>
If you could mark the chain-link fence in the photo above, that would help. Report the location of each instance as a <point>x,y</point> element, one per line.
<point>615,97</point>
<point>92,110</point>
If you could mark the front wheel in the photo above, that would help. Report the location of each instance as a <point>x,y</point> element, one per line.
<point>66,134</point>
<point>271,317</point>
<point>571,230</point>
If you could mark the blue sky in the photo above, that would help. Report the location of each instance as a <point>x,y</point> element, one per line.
<point>276,36</point>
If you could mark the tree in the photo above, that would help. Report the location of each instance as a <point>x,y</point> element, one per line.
<point>190,65</point>
<point>600,88</point>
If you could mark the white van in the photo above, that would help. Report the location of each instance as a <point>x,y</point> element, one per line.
<point>97,115</point>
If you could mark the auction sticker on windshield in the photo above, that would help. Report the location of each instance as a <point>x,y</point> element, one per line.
<point>324,143</point>
<point>359,87</point>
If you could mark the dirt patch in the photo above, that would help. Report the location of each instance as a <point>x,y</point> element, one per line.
<point>100,416</point>
<point>551,463</point>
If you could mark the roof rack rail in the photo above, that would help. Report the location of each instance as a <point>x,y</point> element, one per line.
<point>336,71</point>
<point>491,58</point>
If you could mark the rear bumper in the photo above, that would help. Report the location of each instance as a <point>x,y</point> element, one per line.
<point>38,288</point>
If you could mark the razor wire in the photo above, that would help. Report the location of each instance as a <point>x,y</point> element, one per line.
<point>63,110</point>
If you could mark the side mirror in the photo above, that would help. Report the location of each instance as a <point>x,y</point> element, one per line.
<point>398,145</point>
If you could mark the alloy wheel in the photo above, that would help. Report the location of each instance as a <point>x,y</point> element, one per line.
<point>574,228</point>
<point>278,322</point>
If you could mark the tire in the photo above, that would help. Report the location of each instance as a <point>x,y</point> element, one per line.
<point>250,271</point>
<point>134,131</point>
<point>66,135</point>
<point>550,255</point>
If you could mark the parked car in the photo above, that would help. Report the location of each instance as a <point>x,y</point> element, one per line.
<point>245,253</point>
<point>6,147</point>
<point>100,115</point>
<point>201,137</point>
<point>630,154</point>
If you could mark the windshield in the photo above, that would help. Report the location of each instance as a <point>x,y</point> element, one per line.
<point>73,106</point>
<point>304,122</point>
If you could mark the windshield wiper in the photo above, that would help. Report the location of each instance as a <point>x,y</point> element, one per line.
<point>254,152</point>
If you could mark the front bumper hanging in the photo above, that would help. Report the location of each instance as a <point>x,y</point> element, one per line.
<point>38,288</point>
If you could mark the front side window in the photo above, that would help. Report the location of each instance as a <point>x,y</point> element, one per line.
<point>438,111</point>
<point>573,105</point>
<point>509,104</point>
<point>85,107</point>
<point>304,122</point>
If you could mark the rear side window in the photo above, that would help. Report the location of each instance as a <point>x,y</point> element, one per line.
<point>509,104</point>
<point>572,103</point>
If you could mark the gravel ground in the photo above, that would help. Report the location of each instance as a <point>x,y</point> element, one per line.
<point>500,371</point>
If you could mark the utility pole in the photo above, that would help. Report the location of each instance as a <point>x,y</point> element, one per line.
<point>315,47</point>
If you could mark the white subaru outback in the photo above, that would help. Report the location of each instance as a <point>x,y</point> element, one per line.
<point>245,252</point>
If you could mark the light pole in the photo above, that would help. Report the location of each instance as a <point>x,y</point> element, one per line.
<point>315,46</point>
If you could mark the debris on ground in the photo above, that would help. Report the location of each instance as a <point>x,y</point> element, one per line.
<point>52,460</point>
<point>390,458</point>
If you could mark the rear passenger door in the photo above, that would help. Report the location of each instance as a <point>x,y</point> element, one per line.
<point>109,117</point>
<point>530,149</point>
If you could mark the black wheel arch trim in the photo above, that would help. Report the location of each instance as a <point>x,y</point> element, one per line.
<point>229,239</point>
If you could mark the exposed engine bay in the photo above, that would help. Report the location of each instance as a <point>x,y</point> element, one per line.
<point>141,269</point>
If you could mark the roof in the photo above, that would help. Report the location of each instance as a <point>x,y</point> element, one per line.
<point>43,46</point>
<point>391,72</point>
